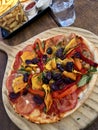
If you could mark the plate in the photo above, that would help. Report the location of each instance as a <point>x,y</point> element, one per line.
<point>82,117</point>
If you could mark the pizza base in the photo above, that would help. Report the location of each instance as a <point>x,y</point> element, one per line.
<point>42,118</point>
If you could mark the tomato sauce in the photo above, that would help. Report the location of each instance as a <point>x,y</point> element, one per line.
<point>31,5</point>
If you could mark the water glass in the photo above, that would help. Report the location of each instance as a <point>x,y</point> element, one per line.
<point>64,11</point>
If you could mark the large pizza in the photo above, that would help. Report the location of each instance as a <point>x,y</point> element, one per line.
<point>50,78</point>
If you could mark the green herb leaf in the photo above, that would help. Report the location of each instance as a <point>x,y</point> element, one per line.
<point>44,109</point>
<point>64,52</point>
<point>43,45</point>
<point>92,69</point>
<point>48,59</point>
<point>59,44</point>
<point>40,77</point>
<point>84,80</point>
<point>22,70</point>
<point>43,74</point>
<point>37,47</point>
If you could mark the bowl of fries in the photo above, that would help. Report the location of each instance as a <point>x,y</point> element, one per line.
<point>12,15</point>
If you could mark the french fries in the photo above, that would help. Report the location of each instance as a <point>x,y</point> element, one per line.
<point>23,0</point>
<point>13,16</point>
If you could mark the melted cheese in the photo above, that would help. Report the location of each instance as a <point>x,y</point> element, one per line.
<point>35,113</point>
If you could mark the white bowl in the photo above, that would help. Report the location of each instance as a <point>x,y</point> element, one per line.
<point>30,9</point>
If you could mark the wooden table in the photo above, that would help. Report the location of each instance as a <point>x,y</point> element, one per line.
<point>86,17</point>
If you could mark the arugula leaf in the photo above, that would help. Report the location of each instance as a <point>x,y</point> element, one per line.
<point>59,44</point>
<point>22,70</point>
<point>43,45</point>
<point>40,76</point>
<point>37,47</point>
<point>48,59</point>
<point>45,109</point>
<point>43,74</point>
<point>84,80</point>
<point>92,69</point>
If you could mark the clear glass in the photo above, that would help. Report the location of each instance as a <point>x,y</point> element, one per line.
<point>64,11</point>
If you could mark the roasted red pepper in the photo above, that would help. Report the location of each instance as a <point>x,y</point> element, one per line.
<point>38,46</point>
<point>69,91</point>
<point>73,51</point>
<point>88,60</point>
<point>78,49</point>
<point>17,62</point>
<point>58,92</point>
<point>29,80</point>
<point>36,92</point>
<point>41,65</point>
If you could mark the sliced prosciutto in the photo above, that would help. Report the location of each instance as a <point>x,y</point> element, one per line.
<point>17,61</point>
<point>67,103</point>
<point>64,104</point>
<point>28,48</point>
<point>9,82</point>
<point>25,104</point>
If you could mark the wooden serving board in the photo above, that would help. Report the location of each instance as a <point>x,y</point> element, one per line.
<point>82,117</point>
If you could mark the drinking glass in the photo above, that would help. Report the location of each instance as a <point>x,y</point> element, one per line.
<point>64,11</point>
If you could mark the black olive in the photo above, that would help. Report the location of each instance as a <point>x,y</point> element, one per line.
<point>56,76</point>
<point>77,55</point>
<point>25,91</point>
<point>69,66</point>
<point>67,80</point>
<point>28,61</point>
<point>59,53</point>
<point>44,58</point>
<point>49,75</point>
<point>13,95</point>
<point>54,87</point>
<point>60,67</point>
<point>62,57</point>
<point>38,100</point>
<point>25,78</point>
<point>59,82</point>
<point>45,80</point>
<point>35,60</point>
<point>49,50</point>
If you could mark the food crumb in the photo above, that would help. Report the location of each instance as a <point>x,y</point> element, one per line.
<point>78,118</point>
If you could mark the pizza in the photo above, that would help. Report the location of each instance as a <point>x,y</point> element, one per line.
<point>49,79</point>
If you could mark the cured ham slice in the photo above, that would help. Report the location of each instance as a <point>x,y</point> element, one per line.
<point>9,82</point>
<point>25,104</point>
<point>67,103</point>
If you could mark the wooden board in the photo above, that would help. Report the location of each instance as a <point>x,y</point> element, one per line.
<point>76,121</point>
